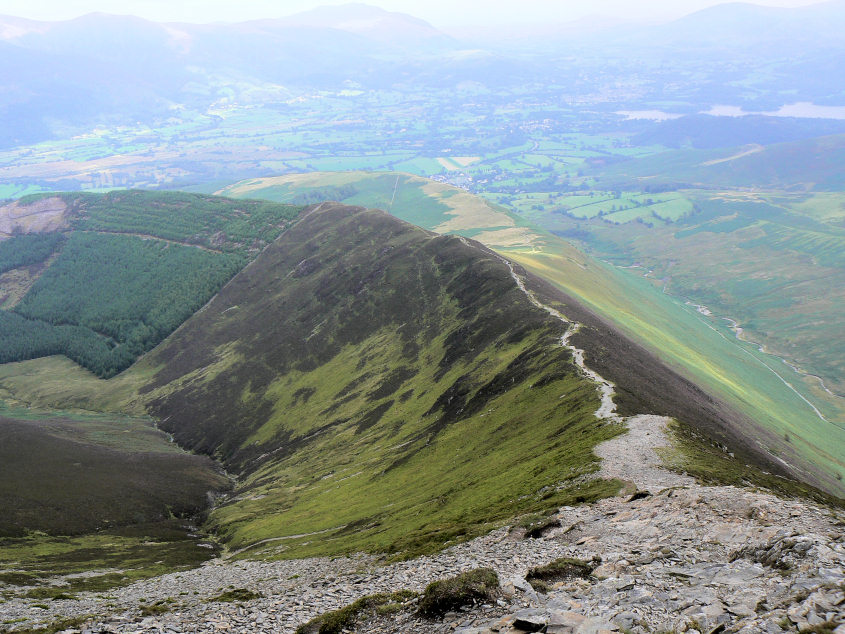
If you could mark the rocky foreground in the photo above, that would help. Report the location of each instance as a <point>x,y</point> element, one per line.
<point>676,556</point>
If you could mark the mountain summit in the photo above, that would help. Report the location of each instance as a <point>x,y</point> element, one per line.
<point>386,27</point>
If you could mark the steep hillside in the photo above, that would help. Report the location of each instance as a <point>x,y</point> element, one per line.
<point>810,164</point>
<point>379,385</point>
<point>66,475</point>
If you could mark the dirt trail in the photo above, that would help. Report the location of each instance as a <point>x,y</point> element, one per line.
<point>607,409</point>
<point>47,214</point>
<point>147,236</point>
<point>631,457</point>
<point>754,149</point>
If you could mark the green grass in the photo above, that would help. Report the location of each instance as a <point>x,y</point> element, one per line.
<point>104,495</point>
<point>731,369</point>
<point>565,568</point>
<point>772,261</point>
<point>57,383</point>
<point>107,559</point>
<point>422,202</point>
<point>466,589</point>
<point>811,164</point>
<point>693,454</point>
<point>236,595</point>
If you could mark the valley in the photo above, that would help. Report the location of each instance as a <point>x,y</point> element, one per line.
<point>337,409</point>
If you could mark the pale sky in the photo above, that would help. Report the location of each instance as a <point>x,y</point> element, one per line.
<point>441,13</point>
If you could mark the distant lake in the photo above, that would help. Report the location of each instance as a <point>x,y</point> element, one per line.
<point>802,109</point>
<point>651,115</point>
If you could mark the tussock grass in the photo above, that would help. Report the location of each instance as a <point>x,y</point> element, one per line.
<point>561,569</point>
<point>341,620</point>
<point>468,588</point>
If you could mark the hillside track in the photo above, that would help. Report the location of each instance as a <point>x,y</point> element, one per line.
<point>631,457</point>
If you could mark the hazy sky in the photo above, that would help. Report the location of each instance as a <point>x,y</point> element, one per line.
<point>441,13</point>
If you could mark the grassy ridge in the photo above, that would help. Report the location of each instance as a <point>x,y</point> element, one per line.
<point>381,387</point>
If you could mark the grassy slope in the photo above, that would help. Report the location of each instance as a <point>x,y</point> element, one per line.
<point>392,390</point>
<point>733,371</point>
<point>714,258</point>
<point>713,359</point>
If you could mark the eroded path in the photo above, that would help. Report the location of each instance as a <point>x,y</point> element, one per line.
<point>631,457</point>
<point>607,409</point>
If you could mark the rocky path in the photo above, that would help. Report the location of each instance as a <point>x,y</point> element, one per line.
<point>632,458</point>
<point>607,408</point>
<point>703,559</point>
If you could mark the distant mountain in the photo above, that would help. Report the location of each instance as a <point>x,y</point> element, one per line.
<point>745,26</point>
<point>388,27</point>
<point>112,68</point>
<point>64,77</point>
<point>706,132</point>
<point>811,164</point>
